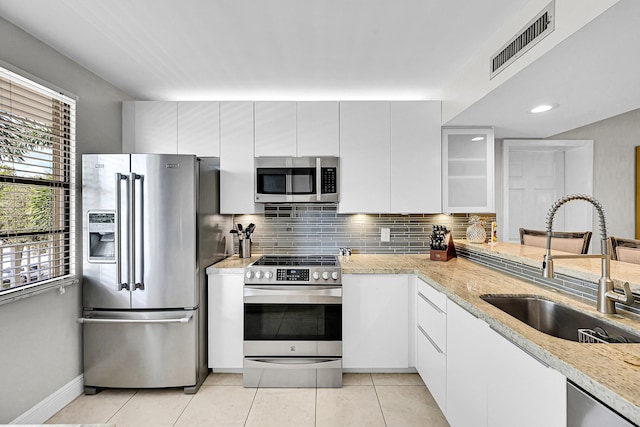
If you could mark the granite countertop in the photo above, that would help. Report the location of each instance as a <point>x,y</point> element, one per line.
<point>609,372</point>
<point>588,269</point>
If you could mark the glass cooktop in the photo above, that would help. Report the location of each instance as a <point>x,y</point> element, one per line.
<point>297,260</point>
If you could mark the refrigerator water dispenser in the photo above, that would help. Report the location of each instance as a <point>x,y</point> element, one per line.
<point>102,244</point>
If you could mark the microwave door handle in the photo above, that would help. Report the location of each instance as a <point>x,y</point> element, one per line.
<point>318,179</point>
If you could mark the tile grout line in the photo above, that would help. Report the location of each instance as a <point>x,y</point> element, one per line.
<point>375,389</point>
<point>184,409</point>
<point>246,420</point>
<point>123,405</point>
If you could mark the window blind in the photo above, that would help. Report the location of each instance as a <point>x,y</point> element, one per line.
<point>37,183</point>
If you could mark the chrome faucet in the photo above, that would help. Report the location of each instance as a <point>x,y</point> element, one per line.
<point>606,296</point>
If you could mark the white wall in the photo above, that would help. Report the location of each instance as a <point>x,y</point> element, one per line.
<point>614,176</point>
<point>40,340</point>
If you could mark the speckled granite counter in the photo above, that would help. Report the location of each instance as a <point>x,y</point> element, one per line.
<point>609,372</point>
<point>585,268</point>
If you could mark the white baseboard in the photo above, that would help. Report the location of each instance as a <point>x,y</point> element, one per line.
<point>51,404</point>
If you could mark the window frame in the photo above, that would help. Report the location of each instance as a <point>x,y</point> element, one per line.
<point>63,209</point>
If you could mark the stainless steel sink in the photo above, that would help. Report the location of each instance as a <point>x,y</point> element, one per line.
<point>556,319</point>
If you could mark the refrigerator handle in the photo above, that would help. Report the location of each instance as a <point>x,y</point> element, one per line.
<point>119,283</point>
<point>135,241</point>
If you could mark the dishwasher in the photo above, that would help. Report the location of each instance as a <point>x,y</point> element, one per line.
<point>584,410</point>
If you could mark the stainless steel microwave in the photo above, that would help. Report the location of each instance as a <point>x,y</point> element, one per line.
<point>297,179</point>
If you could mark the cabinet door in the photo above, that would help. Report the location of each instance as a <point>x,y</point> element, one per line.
<point>375,321</point>
<point>199,128</point>
<point>365,167</point>
<point>237,187</point>
<point>466,368</point>
<point>150,127</point>
<point>275,128</point>
<point>226,326</point>
<point>416,174</point>
<point>467,170</point>
<point>432,367</point>
<point>522,390</point>
<point>318,128</point>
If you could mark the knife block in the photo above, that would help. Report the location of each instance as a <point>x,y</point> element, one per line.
<point>444,255</point>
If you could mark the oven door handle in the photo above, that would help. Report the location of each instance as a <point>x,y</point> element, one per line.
<point>293,294</point>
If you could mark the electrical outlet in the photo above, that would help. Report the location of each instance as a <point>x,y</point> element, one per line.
<point>385,234</point>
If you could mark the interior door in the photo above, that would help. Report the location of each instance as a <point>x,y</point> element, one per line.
<point>165,231</point>
<point>536,180</point>
<point>105,278</point>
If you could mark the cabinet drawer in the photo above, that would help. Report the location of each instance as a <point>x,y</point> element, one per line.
<point>433,321</point>
<point>437,298</point>
<point>432,367</point>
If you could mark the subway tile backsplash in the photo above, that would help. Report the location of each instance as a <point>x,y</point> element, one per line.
<point>320,229</point>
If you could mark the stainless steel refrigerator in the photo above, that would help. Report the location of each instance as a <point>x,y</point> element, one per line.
<point>151,226</point>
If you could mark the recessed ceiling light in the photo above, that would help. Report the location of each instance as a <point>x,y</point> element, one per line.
<point>478,138</point>
<point>542,108</point>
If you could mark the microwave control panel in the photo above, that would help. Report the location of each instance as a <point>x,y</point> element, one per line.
<point>329,180</point>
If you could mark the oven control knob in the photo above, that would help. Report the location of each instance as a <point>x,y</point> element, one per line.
<point>316,275</point>
<point>258,274</point>
<point>334,275</point>
<point>249,274</point>
<point>268,275</point>
<point>325,275</point>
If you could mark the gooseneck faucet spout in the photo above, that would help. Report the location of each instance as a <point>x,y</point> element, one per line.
<point>606,296</point>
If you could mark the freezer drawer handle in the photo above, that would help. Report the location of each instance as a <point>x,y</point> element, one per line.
<point>184,319</point>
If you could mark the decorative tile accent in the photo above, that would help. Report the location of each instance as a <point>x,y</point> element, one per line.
<point>587,291</point>
<point>319,229</point>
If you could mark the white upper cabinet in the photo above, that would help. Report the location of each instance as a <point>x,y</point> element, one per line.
<point>390,157</point>
<point>237,191</point>
<point>171,127</point>
<point>416,157</point>
<point>297,129</point>
<point>199,128</point>
<point>467,170</point>
<point>318,127</point>
<point>365,150</point>
<point>149,127</point>
<point>275,129</point>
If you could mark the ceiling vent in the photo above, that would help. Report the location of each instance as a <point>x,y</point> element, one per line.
<point>537,29</point>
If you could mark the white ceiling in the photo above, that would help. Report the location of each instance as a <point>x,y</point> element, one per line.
<point>265,49</point>
<point>335,49</point>
<point>592,75</point>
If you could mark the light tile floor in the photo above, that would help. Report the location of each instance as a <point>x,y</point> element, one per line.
<point>364,400</point>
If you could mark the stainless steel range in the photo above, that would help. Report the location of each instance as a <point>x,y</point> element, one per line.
<point>293,322</point>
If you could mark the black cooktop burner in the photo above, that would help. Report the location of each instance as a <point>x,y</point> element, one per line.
<point>297,260</point>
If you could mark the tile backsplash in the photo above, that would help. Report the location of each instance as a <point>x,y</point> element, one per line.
<point>320,229</point>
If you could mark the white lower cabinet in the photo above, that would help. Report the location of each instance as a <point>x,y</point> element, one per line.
<point>226,326</point>
<point>522,391</point>
<point>467,374</point>
<point>431,364</point>
<point>431,337</point>
<point>375,321</point>
<point>492,382</point>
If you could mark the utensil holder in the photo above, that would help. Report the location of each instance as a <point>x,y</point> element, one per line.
<point>245,248</point>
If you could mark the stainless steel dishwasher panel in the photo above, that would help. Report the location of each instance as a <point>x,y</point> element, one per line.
<point>136,349</point>
<point>585,411</point>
